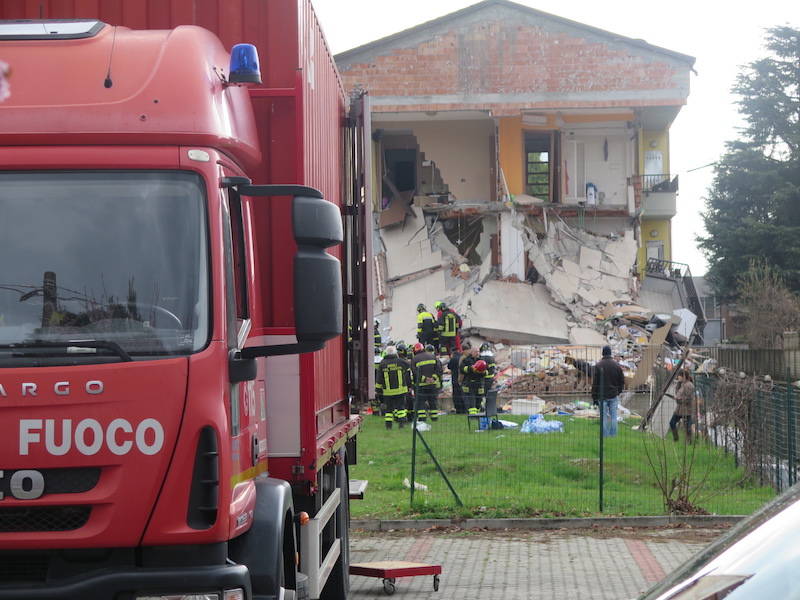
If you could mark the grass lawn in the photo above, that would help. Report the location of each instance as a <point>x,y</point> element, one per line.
<point>505,473</point>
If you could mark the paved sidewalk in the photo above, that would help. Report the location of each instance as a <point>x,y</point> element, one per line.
<point>607,564</point>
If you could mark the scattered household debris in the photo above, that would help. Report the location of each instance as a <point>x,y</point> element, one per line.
<point>417,485</point>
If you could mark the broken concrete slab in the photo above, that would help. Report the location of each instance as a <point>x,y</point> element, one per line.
<point>563,286</point>
<point>583,336</point>
<point>408,248</point>
<point>572,268</point>
<point>589,296</point>
<point>590,258</point>
<point>517,313</point>
<point>617,284</point>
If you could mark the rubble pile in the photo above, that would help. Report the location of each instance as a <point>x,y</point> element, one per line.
<point>581,296</point>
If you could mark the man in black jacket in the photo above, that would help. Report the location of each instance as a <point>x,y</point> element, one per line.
<point>608,382</point>
<point>455,379</point>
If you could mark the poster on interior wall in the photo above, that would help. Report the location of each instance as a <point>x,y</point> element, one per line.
<point>653,162</point>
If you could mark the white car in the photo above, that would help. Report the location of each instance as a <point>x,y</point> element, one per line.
<point>759,558</point>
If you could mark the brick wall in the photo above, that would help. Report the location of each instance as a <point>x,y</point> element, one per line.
<point>502,57</point>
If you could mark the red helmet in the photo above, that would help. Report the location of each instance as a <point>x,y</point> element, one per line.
<point>418,348</point>
<point>480,366</point>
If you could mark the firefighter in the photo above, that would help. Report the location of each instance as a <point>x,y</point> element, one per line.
<point>473,378</point>
<point>449,326</point>
<point>377,336</point>
<point>491,364</point>
<point>487,355</point>
<point>455,380</point>
<point>427,376</point>
<point>391,385</point>
<point>426,326</point>
<point>402,351</point>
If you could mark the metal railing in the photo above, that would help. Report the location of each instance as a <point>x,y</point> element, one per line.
<point>663,182</point>
<point>682,275</point>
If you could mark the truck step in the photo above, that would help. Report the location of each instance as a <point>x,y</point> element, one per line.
<point>357,488</point>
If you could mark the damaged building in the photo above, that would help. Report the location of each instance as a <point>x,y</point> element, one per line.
<point>520,171</point>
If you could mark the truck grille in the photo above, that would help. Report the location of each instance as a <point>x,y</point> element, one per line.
<point>43,518</point>
<point>70,481</point>
<point>23,569</point>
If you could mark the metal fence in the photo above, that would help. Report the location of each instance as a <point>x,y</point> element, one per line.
<point>489,466</point>
<point>779,364</point>
<point>755,421</point>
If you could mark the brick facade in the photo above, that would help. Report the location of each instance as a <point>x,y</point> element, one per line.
<point>508,62</point>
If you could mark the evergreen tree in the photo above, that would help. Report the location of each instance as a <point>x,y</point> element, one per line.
<point>753,208</point>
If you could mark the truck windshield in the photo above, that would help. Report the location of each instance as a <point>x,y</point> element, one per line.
<point>103,256</point>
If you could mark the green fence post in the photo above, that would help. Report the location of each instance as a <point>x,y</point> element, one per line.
<point>413,449</point>
<point>790,427</point>
<point>602,419</point>
<point>776,450</point>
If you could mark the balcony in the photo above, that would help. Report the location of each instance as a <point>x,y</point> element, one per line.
<point>656,195</point>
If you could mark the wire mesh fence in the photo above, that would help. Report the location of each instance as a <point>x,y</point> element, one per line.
<point>510,462</point>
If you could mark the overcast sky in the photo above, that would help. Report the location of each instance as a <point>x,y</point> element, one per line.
<point>720,35</point>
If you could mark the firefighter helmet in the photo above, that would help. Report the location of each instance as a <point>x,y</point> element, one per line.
<point>429,348</point>
<point>418,348</point>
<point>421,308</point>
<point>480,366</point>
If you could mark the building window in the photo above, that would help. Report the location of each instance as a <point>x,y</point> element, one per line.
<point>541,165</point>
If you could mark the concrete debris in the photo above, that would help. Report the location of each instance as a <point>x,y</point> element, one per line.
<point>583,270</point>
<point>408,248</point>
<point>583,336</point>
<point>515,313</point>
<point>586,296</point>
<point>590,258</point>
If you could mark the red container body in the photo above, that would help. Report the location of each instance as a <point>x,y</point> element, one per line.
<point>300,112</point>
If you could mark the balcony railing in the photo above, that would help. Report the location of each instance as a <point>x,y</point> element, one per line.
<point>647,184</point>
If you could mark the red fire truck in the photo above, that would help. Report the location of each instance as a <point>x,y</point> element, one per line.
<point>182,245</point>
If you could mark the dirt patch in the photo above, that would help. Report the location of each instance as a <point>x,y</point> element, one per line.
<point>678,532</point>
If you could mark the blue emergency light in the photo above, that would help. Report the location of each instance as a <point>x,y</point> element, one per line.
<point>244,64</point>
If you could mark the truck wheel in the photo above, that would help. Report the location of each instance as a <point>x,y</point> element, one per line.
<point>338,585</point>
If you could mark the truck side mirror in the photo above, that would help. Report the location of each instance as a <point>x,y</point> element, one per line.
<point>318,309</point>
<point>317,225</point>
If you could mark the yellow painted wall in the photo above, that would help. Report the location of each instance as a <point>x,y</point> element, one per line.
<point>511,143</point>
<point>663,230</point>
<point>654,140</point>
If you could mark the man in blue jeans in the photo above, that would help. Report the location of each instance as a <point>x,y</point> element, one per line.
<point>608,382</point>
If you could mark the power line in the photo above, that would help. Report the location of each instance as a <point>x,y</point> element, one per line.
<point>711,164</point>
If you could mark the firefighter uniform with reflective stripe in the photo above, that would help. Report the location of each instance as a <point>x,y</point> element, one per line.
<point>426,328</point>
<point>377,337</point>
<point>472,384</point>
<point>392,382</point>
<point>449,324</point>
<point>427,376</point>
<point>491,368</point>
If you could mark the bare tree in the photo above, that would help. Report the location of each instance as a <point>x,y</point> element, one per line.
<point>768,305</point>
